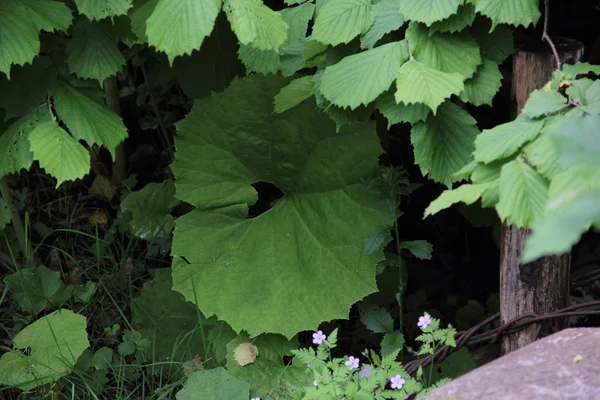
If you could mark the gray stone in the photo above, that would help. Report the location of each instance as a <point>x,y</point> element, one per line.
<point>563,366</point>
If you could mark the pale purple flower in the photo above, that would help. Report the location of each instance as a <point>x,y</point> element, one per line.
<point>318,337</point>
<point>424,321</point>
<point>352,362</point>
<point>255,398</point>
<point>365,372</point>
<point>315,383</point>
<point>397,382</point>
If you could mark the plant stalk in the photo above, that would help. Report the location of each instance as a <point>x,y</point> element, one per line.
<point>16,220</point>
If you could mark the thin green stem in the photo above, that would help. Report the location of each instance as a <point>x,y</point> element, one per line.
<point>16,220</point>
<point>401,282</point>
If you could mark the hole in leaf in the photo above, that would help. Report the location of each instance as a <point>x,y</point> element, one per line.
<point>268,195</point>
<point>26,351</point>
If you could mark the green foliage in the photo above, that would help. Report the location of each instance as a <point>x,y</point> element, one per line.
<point>36,289</point>
<point>376,319</point>
<point>387,19</point>
<point>4,214</point>
<point>59,153</point>
<point>214,384</point>
<point>254,22</point>
<point>55,342</point>
<point>482,88</point>
<point>293,94</point>
<point>340,21</point>
<point>504,140</point>
<point>513,12</point>
<point>428,11</point>
<point>96,10</point>
<point>373,71</point>
<point>314,184</point>
<point>149,208</point>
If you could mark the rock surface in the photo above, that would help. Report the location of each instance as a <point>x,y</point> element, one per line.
<point>563,366</point>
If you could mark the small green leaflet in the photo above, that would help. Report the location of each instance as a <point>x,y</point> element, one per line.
<point>557,233</point>
<point>388,19</point>
<point>444,143</point>
<point>457,52</point>
<point>376,319</point>
<point>456,22</point>
<point>254,22</point>
<point>419,248</point>
<point>542,103</point>
<point>504,140</point>
<point>428,11</point>
<point>15,153</point>
<point>392,342</point>
<point>87,119</point>
<point>214,383</point>
<point>467,194</point>
<point>92,53</point>
<point>400,112</point>
<point>55,342</point>
<point>523,194</point>
<point>20,41</point>
<point>361,78</point>
<point>340,21</point>
<point>419,83</point>
<point>99,9</point>
<point>179,27</point>
<point>512,12</point>
<point>293,94</point>
<point>482,88</point>
<point>58,153</point>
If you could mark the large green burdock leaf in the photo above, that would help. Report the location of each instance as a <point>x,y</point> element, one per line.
<point>55,342</point>
<point>214,384</point>
<point>178,27</point>
<point>20,24</point>
<point>278,272</point>
<point>36,289</point>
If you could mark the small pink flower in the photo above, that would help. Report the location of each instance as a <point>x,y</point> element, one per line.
<point>315,383</point>
<point>365,372</point>
<point>397,382</point>
<point>255,398</point>
<point>352,362</point>
<point>318,337</point>
<point>424,321</point>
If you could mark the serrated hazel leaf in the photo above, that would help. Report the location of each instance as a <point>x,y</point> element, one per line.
<point>444,143</point>
<point>457,52</point>
<point>360,78</point>
<point>557,233</point>
<point>20,23</point>
<point>523,194</point>
<point>58,153</point>
<point>512,12</point>
<point>261,61</point>
<point>99,9</point>
<point>482,88</point>
<point>92,53</point>
<point>576,179</point>
<point>577,140</point>
<point>293,94</point>
<point>543,103</point>
<point>138,16</point>
<point>421,249</point>
<point>419,83</point>
<point>570,71</point>
<point>179,27</point>
<point>457,22</point>
<point>400,112</point>
<point>254,22</point>
<point>340,21</point>
<point>496,45</point>
<point>504,140</point>
<point>387,19</point>
<point>88,120</point>
<point>467,194</point>
<point>592,99</point>
<point>428,11</point>
<point>15,153</point>
<point>542,154</point>
<point>376,319</point>
<point>297,19</point>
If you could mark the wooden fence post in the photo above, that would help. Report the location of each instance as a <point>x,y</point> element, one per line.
<point>543,285</point>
